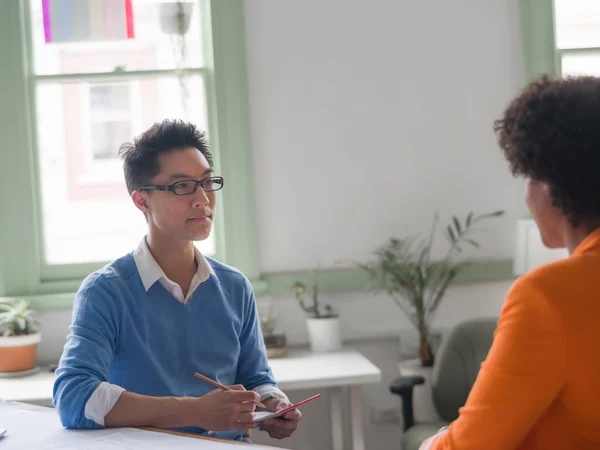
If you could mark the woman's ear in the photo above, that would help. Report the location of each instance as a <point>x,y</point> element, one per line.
<point>140,200</point>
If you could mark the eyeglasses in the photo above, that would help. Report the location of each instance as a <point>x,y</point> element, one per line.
<point>187,187</point>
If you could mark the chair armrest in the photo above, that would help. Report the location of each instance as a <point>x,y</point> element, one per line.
<point>403,386</point>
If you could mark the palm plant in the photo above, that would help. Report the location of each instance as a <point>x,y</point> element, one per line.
<point>16,318</point>
<point>403,267</point>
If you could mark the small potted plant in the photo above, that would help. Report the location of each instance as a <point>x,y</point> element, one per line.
<point>275,340</point>
<point>18,343</point>
<point>175,16</point>
<point>322,321</point>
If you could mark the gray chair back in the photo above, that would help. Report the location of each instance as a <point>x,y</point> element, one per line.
<point>457,364</point>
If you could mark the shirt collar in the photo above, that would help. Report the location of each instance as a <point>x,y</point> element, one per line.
<point>151,272</point>
<point>591,242</point>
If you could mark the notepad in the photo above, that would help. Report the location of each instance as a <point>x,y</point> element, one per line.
<point>264,415</point>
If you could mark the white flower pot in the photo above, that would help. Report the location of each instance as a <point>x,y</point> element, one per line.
<point>423,408</point>
<point>324,334</point>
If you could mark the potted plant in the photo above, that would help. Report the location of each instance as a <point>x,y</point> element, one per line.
<point>322,321</point>
<point>404,268</point>
<point>18,344</point>
<point>275,340</point>
<point>175,16</point>
<point>175,19</point>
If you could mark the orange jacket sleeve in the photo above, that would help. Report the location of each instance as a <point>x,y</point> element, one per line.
<point>523,373</point>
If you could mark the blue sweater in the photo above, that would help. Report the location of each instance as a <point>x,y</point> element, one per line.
<point>151,344</point>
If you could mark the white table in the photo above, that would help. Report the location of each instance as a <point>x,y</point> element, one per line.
<point>340,373</point>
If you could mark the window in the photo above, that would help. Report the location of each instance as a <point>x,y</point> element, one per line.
<point>102,76</point>
<point>35,179</point>
<point>577,31</point>
<point>111,118</point>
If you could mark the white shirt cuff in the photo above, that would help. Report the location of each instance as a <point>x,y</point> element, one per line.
<point>102,401</point>
<point>268,390</point>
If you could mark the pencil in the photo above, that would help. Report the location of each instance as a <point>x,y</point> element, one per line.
<point>225,388</point>
<point>221,386</point>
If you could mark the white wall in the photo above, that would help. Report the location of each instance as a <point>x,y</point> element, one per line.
<point>400,93</point>
<point>404,95</point>
<point>388,105</point>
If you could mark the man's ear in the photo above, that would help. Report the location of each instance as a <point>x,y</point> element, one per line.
<point>140,200</point>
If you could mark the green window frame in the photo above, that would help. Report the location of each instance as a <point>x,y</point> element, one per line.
<point>538,39</point>
<point>22,271</point>
<point>540,50</point>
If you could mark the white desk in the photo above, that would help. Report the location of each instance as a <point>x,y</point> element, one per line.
<point>20,419</point>
<point>340,373</point>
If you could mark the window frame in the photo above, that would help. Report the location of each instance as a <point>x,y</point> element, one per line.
<point>541,54</point>
<point>22,269</point>
<point>538,38</point>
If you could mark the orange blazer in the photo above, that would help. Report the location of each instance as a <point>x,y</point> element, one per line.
<point>539,387</point>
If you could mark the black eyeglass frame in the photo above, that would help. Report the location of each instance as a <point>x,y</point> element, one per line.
<point>171,187</point>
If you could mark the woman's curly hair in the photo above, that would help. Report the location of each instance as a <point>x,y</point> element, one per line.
<point>551,133</point>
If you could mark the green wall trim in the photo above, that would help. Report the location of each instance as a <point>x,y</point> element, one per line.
<point>330,280</point>
<point>354,279</point>
<point>539,43</point>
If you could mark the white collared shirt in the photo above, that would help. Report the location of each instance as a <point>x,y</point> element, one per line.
<point>106,394</point>
<point>151,272</point>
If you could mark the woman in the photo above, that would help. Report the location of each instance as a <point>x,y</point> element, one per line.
<point>539,388</point>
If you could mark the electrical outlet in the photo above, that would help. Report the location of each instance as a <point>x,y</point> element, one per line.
<point>389,415</point>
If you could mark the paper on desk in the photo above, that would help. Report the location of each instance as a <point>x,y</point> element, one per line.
<point>133,439</point>
<point>50,435</point>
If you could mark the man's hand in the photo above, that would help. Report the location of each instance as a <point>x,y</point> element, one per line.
<point>283,426</point>
<point>225,410</point>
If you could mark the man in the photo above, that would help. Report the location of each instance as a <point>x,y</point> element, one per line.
<point>145,323</point>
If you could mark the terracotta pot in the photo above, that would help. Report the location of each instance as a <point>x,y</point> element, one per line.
<point>18,353</point>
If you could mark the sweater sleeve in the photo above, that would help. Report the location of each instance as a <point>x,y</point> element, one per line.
<point>523,373</point>
<point>87,355</point>
<point>253,366</point>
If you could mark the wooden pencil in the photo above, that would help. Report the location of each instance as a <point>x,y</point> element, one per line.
<point>221,386</point>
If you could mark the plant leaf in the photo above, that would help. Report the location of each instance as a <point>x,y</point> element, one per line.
<point>469,218</point>
<point>456,225</point>
<point>451,234</point>
<point>473,243</point>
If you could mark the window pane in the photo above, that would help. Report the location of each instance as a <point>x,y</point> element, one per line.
<point>110,98</point>
<point>577,23</point>
<point>581,64</point>
<point>87,214</point>
<point>107,136</point>
<point>79,36</point>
